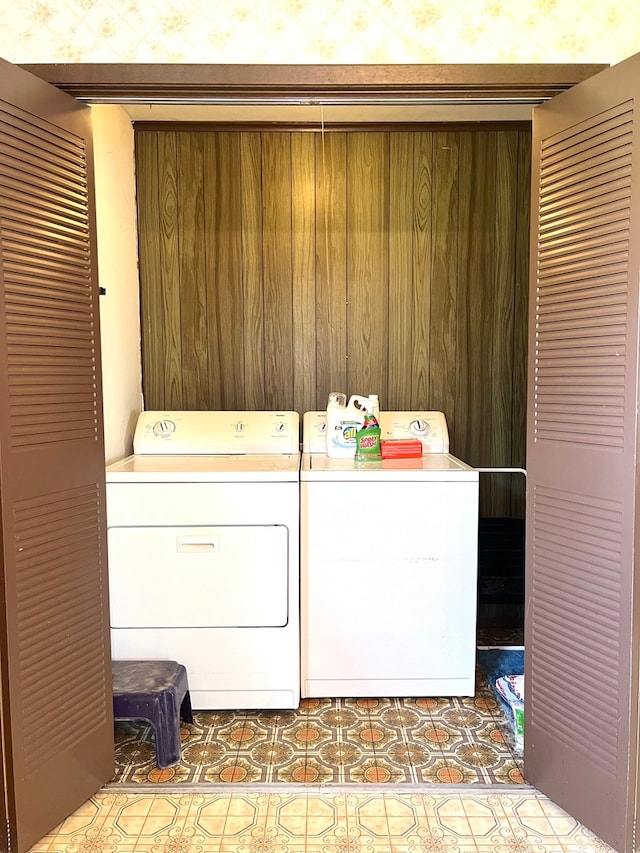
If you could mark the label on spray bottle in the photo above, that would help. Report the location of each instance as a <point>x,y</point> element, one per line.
<point>368,440</point>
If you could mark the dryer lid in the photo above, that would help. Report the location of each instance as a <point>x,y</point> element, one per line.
<point>206,468</point>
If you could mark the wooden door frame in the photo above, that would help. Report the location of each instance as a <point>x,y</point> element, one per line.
<point>327,84</point>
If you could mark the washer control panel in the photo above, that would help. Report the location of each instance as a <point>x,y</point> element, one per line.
<point>428,427</point>
<point>216,433</point>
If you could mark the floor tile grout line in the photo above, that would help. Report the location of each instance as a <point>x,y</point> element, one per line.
<point>434,726</point>
<point>462,815</point>
<point>371,742</point>
<point>307,720</point>
<point>244,717</point>
<point>264,822</point>
<point>465,732</point>
<point>274,743</point>
<point>340,740</point>
<point>376,757</point>
<point>193,814</point>
<point>486,774</point>
<point>432,723</point>
<point>406,740</point>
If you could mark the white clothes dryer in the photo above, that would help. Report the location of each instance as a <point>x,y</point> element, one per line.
<point>203,541</point>
<point>388,566</point>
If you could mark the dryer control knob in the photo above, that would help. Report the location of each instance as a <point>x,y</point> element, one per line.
<point>420,427</point>
<point>164,427</point>
<point>279,427</point>
<point>240,426</point>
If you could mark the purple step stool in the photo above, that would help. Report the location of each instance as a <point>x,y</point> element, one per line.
<point>156,691</point>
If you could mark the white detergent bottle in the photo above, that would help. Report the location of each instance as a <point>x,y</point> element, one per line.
<point>343,422</point>
<point>369,404</point>
<point>375,406</point>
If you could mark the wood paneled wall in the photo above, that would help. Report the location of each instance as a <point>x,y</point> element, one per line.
<point>279,265</point>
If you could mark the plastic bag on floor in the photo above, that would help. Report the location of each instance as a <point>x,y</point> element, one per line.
<point>511,688</point>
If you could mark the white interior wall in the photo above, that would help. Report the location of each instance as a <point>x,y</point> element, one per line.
<point>118,273</point>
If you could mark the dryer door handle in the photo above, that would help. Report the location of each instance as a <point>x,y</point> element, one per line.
<point>197,544</point>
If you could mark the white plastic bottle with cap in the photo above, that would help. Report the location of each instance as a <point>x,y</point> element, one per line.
<point>368,404</point>
<point>343,422</point>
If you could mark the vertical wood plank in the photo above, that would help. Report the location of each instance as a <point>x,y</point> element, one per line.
<point>223,270</point>
<point>367,263</point>
<point>252,322</point>
<point>503,310</point>
<point>278,297</point>
<point>463,446</point>
<point>444,286</point>
<point>401,295</point>
<point>149,249</point>
<point>193,295</point>
<point>331,265</point>
<point>422,260</point>
<point>483,319</point>
<point>170,269</point>
<point>475,317</point>
<point>521,309</point>
<point>303,179</point>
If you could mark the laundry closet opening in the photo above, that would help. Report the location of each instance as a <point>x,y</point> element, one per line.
<point>278,263</point>
<point>394,94</point>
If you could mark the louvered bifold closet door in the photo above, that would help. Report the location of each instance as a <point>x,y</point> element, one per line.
<point>57,707</point>
<point>581,678</point>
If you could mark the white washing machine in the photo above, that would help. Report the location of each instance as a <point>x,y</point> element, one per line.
<point>388,566</point>
<point>203,539</point>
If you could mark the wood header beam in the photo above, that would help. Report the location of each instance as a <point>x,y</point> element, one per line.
<point>322,83</point>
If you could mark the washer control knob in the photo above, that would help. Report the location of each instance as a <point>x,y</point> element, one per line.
<point>279,427</point>
<point>164,427</point>
<point>420,427</point>
<point>322,427</point>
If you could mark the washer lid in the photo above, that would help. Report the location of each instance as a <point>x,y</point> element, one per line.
<point>430,467</point>
<point>225,433</point>
<point>251,468</point>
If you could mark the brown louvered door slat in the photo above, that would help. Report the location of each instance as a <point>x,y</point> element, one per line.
<point>57,725</point>
<point>581,709</point>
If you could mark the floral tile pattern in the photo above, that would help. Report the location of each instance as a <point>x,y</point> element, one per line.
<point>335,741</point>
<point>321,822</point>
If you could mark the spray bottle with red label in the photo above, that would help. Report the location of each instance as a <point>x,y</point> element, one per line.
<point>368,439</point>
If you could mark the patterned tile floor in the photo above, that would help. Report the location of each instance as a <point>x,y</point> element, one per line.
<point>335,741</point>
<point>373,821</point>
<point>136,815</point>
